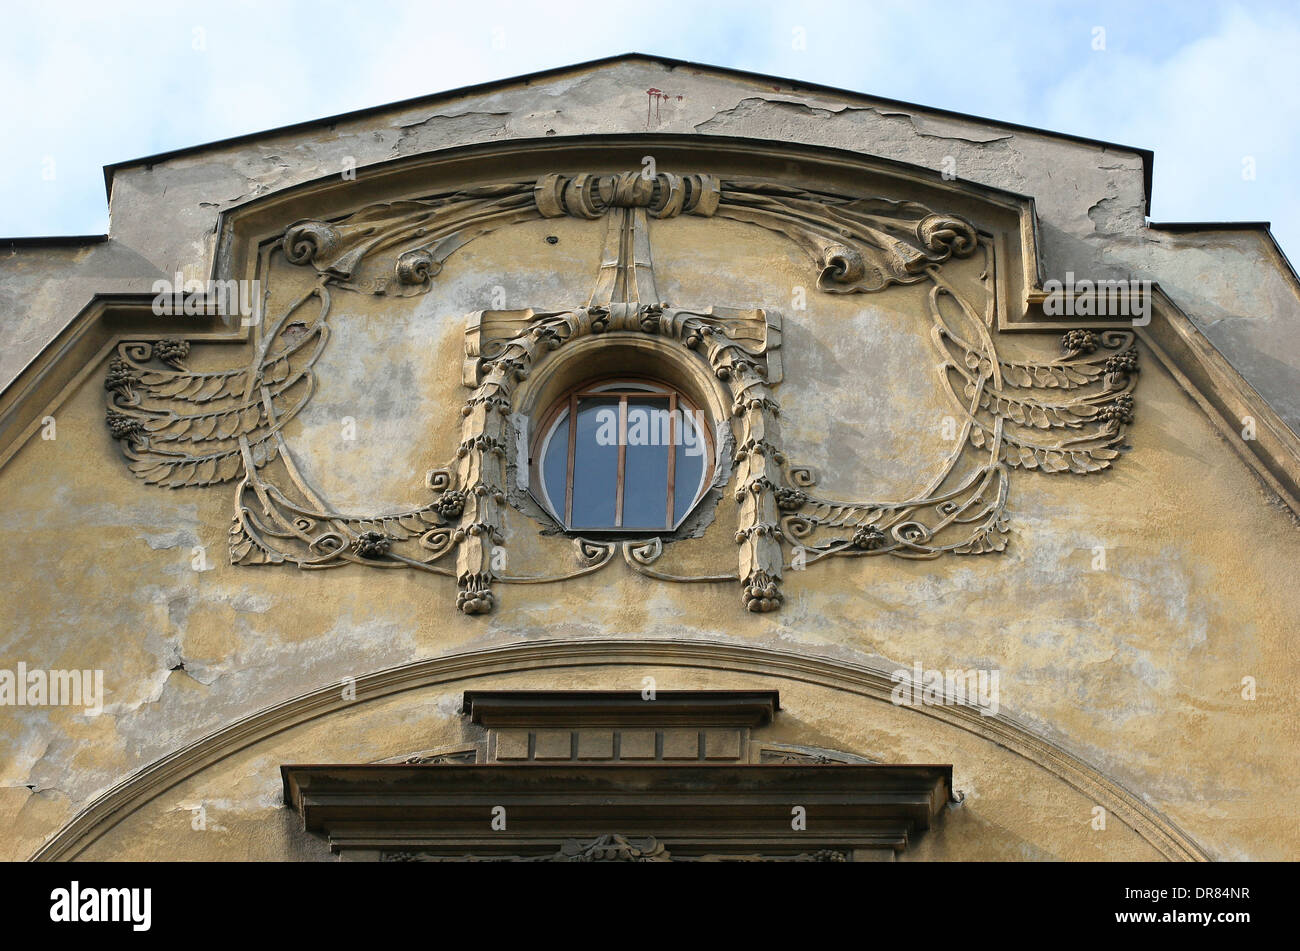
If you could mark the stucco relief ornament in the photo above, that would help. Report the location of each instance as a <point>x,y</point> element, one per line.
<point>182,427</point>
<point>605,848</point>
<point>618,848</point>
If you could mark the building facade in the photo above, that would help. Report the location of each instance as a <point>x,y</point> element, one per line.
<point>648,461</point>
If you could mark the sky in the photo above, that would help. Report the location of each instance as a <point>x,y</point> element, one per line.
<point>1209,87</point>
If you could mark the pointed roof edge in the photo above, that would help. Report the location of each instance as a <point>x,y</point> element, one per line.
<point>1209,227</point>
<point>1147,155</point>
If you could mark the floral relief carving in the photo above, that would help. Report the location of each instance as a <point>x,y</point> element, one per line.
<point>1064,413</point>
<point>618,848</point>
<point>604,848</point>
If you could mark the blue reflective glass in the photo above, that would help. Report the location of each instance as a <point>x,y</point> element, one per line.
<point>595,463</point>
<point>652,436</point>
<point>692,459</point>
<point>645,474</point>
<point>555,465</point>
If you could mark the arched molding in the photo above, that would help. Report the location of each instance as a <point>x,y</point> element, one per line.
<point>106,810</point>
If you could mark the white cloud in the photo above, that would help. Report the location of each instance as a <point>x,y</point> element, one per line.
<point>1203,109</point>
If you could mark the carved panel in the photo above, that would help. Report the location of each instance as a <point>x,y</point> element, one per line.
<point>1054,412</point>
<point>617,848</point>
<point>605,848</point>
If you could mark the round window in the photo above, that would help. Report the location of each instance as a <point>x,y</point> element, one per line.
<point>629,455</point>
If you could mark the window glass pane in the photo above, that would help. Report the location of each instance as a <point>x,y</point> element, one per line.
<point>555,465</point>
<point>692,459</point>
<point>651,435</point>
<point>595,463</point>
<point>645,482</point>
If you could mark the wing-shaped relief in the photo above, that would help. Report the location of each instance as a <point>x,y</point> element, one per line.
<point>1066,414</point>
<point>1063,413</point>
<point>183,427</point>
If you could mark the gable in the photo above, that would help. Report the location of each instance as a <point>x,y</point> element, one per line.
<point>328,485</point>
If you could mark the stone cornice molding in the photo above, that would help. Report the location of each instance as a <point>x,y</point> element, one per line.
<point>710,808</point>
<point>541,708</point>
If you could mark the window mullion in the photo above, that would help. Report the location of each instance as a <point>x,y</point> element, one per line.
<point>622,460</point>
<point>573,445</point>
<point>672,455</point>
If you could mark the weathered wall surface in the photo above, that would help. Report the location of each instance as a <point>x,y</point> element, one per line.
<point>1135,667</point>
<point>1011,812</point>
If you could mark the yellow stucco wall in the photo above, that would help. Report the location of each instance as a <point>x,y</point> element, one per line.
<point>1136,668</point>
